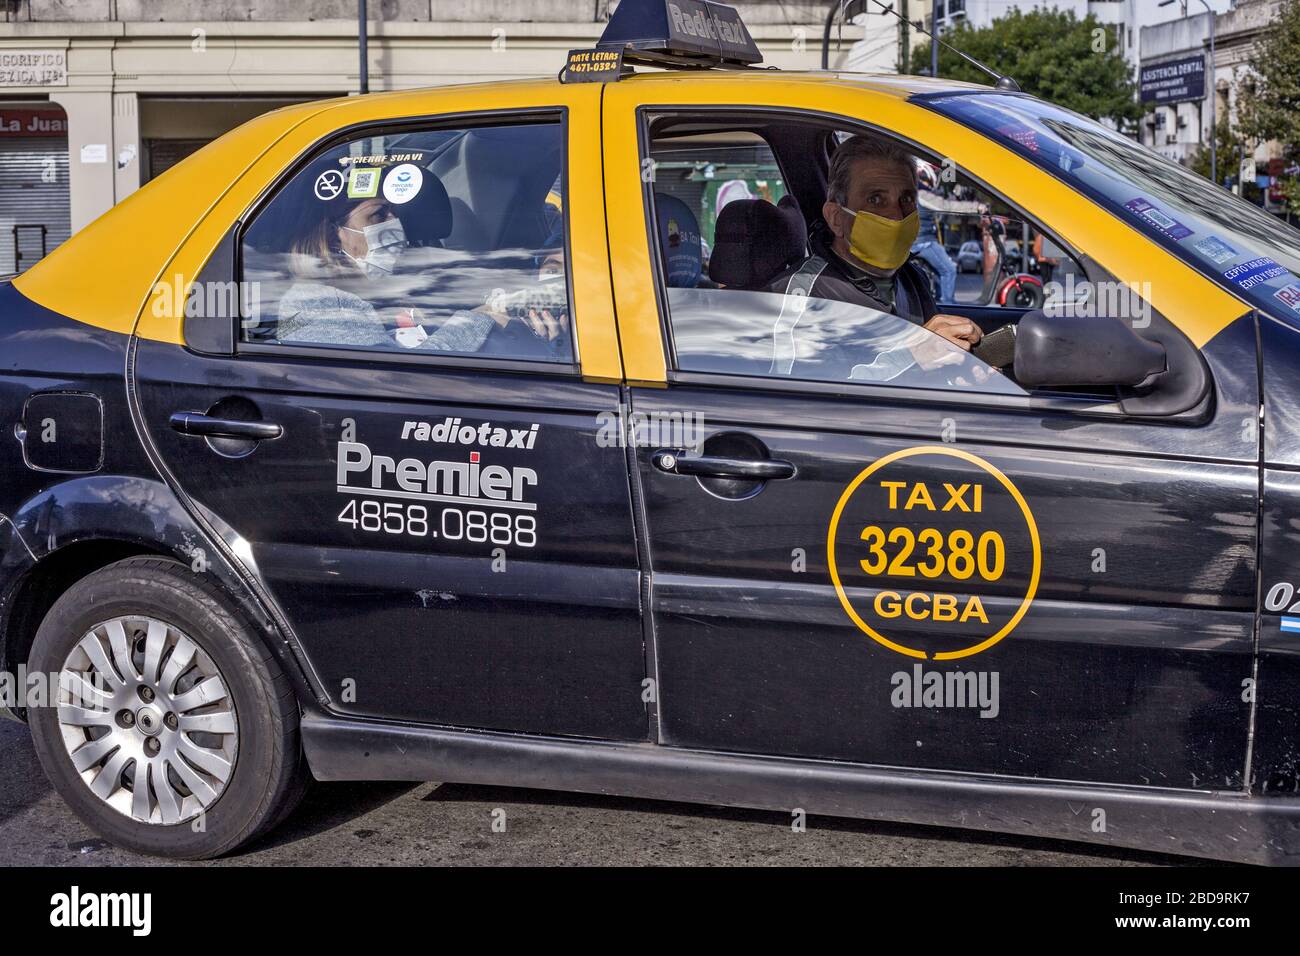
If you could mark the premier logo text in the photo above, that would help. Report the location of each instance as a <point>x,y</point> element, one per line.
<point>360,470</point>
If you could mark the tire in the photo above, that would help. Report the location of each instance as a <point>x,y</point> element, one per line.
<point>213,721</point>
<point>1024,295</point>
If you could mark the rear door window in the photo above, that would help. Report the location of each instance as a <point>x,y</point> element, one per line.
<point>435,242</point>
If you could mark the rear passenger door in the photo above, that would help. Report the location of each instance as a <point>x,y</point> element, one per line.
<point>918,574</point>
<point>441,526</point>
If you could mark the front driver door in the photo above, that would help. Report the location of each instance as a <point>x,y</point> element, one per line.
<point>975,579</point>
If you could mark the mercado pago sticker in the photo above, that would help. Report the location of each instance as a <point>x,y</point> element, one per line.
<point>934,553</point>
<point>403,183</point>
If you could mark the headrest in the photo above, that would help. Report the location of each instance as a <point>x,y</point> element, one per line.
<point>679,238</point>
<point>754,240</point>
<point>426,217</point>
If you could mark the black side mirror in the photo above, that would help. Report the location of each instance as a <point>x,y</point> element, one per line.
<point>1060,351</point>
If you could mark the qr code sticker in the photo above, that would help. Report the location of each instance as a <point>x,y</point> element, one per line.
<point>363,183</point>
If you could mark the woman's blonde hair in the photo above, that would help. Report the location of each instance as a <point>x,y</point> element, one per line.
<point>317,251</point>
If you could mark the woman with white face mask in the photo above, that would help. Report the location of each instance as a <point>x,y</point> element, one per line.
<point>350,246</point>
<point>373,238</point>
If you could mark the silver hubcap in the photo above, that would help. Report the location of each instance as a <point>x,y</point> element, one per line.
<point>147,720</point>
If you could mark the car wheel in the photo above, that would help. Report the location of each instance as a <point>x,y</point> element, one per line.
<point>171,729</point>
<point>1025,295</point>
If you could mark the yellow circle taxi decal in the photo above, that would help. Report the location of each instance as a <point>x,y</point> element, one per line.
<point>934,553</point>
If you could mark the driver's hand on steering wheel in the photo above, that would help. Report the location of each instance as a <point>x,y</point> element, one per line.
<point>956,332</point>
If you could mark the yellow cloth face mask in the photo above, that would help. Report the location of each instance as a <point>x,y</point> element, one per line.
<point>882,243</point>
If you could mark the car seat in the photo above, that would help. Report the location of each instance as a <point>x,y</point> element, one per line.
<point>679,241</point>
<point>754,241</point>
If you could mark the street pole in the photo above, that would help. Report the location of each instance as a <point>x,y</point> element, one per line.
<point>934,38</point>
<point>1214,95</point>
<point>1214,92</point>
<point>362,28</point>
<point>904,44</point>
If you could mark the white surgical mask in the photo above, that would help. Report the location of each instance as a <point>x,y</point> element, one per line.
<point>384,243</point>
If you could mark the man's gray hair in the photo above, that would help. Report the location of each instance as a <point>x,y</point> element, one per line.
<point>857,148</point>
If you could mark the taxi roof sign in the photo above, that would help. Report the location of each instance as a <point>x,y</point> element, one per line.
<point>680,33</point>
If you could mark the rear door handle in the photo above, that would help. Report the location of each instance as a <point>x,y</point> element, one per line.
<point>755,469</point>
<point>194,423</point>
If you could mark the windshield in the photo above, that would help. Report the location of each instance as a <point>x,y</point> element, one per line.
<point>1236,244</point>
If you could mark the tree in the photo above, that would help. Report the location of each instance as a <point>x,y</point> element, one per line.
<point>1268,96</point>
<point>1052,54</point>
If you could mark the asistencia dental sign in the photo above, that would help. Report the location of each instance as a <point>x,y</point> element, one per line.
<point>1174,81</point>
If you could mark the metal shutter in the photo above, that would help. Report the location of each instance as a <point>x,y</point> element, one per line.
<point>34,206</point>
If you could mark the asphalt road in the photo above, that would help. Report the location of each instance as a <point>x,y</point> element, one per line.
<point>451,824</point>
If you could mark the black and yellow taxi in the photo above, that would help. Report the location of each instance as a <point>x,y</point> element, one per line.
<point>489,434</point>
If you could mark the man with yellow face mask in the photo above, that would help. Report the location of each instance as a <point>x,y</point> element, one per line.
<point>859,254</point>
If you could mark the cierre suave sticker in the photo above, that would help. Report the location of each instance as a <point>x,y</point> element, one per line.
<point>934,553</point>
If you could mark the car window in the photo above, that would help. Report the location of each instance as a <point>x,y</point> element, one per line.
<point>437,242</point>
<point>753,286</point>
<point>976,250</point>
<point>799,336</point>
<point>1244,249</point>
<point>695,177</point>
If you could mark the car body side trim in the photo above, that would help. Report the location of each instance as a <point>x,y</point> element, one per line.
<point>1197,823</point>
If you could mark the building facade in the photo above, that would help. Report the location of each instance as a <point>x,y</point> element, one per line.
<point>1178,75</point>
<point>1174,84</point>
<point>99,96</point>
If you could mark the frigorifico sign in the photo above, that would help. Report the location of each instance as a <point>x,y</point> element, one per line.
<point>33,67</point>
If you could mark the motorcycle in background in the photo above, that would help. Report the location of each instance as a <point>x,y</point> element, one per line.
<point>1005,284</point>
